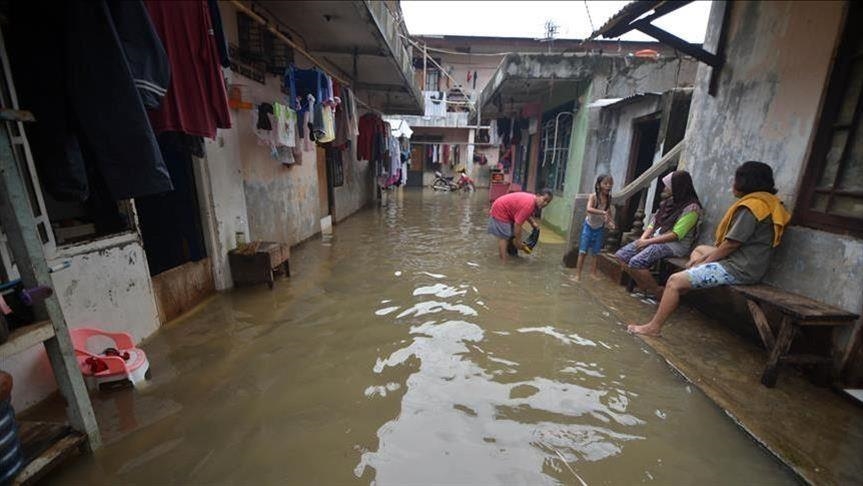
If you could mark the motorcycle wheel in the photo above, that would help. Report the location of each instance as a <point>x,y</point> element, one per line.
<point>440,185</point>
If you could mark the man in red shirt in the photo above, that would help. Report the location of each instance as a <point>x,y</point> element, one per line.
<point>510,211</point>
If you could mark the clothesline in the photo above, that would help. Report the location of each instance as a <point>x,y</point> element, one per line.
<point>452,143</point>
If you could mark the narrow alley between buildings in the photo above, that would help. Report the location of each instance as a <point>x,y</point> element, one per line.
<point>402,349</point>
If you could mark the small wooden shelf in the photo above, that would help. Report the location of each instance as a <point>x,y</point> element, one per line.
<point>45,446</point>
<point>26,337</point>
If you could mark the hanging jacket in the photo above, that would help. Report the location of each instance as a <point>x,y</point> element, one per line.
<point>151,71</point>
<point>72,70</point>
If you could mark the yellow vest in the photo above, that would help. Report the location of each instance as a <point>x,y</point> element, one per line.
<point>762,204</point>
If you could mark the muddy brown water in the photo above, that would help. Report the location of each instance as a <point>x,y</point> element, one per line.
<point>401,351</point>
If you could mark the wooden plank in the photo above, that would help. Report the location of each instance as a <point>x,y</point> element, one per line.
<point>16,217</point>
<point>50,458</point>
<point>761,324</point>
<point>37,437</point>
<point>805,359</point>
<point>26,337</point>
<point>800,307</point>
<point>783,343</point>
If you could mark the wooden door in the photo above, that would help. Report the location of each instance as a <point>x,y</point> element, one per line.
<point>415,171</point>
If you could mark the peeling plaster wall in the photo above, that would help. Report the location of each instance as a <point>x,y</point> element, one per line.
<point>106,286</point>
<point>614,141</point>
<point>358,187</point>
<point>222,200</point>
<point>282,201</point>
<point>779,55</point>
<point>611,77</point>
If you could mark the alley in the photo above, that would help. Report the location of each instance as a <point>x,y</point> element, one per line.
<point>402,350</point>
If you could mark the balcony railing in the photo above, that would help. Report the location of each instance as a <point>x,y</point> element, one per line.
<point>451,120</point>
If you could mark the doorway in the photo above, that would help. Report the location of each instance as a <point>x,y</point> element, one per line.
<point>415,171</point>
<point>645,133</point>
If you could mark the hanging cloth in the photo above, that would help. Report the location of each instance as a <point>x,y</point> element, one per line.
<point>328,123</point>
<point>196,101</point>
<point>80,67</point>
<point>284,127</point>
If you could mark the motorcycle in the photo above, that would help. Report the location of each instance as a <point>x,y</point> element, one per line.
<point>443,183</point>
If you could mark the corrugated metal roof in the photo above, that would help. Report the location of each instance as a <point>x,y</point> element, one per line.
<point>616,102</point>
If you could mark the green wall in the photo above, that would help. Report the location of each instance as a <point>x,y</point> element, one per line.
<point>558,214</point>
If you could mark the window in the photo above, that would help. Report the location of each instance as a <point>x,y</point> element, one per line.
<point>258,51</point>
<point>554,150</point>
<point>831,196</point>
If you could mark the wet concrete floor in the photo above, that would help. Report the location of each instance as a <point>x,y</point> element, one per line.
<point>401,351</point>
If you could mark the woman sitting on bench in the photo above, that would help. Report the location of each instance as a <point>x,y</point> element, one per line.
<point>670,233</point>
<point>745,239</point>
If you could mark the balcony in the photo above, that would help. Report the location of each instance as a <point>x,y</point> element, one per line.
<point>362,41</point>
<point>451,120</point>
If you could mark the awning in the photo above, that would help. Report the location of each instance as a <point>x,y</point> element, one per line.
<point>634,16</point>
<point>523,79</point>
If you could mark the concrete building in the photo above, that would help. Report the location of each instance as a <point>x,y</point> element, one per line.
<point>238,188</point>
<point>561,96</point>
<point>463,67</point>
<point>780,83</point>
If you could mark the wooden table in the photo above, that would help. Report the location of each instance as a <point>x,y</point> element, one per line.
<point>258,262</point>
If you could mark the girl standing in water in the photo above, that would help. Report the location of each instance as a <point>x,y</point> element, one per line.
<point>600,214</point>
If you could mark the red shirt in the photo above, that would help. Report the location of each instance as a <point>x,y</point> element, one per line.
<point>514,207</point>
<point>196,102</point>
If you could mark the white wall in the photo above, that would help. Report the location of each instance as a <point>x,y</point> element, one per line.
<point>106,286</point>
<point>222,200</point>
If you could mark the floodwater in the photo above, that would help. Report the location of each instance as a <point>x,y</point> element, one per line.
<point>401,351</point>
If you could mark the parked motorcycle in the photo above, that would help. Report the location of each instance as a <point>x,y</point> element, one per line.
<point>443,183</point>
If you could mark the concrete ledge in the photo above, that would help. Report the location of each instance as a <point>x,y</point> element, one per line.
<point>814,431</point>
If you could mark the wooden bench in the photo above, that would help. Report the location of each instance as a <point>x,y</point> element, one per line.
<point>796,311</point>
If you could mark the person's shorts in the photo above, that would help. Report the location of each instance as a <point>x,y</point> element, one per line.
<point>644,258</point>
<point>499,228</point>
<point>591,239</point>
<point>709,275</point>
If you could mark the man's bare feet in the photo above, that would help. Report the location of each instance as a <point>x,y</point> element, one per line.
<point>575,278</point>
<point>594,276</point>
<point>645,329</point>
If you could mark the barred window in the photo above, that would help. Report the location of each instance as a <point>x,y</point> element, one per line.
<point>554,151</point>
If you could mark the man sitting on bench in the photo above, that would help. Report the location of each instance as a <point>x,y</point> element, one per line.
<point>745,239</point>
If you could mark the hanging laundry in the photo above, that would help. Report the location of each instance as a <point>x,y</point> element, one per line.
<point>264,112</point>
<point>303,82</point>
<point>219,33</point>
<point>329,124</point>
<point>435,104</point>
<point>196,101</point>
<point>284,133</point>
<point>371,131</point>
<point>493,135</point>
<point>86,70</point>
